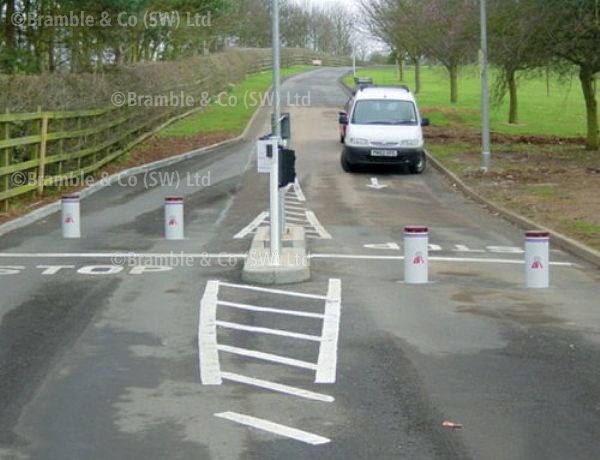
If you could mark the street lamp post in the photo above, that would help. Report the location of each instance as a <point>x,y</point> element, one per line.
<point>486,155</point>
<point>274,179</point>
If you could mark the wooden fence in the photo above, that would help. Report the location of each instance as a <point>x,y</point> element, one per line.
<point>42,148</point>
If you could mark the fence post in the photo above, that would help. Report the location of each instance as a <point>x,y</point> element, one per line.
<point>5,161</point>
<point>42,157</point>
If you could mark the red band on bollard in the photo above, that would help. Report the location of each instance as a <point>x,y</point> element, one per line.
<point>71,197</point>
<point>537,234</point>
<point>415,229</point>
<point>174,199</point>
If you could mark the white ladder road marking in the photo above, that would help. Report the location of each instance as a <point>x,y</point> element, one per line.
<point>298,190</point>
<point>280,311</point>
<point>312,219</point>
<point>327,361</point>
<point>252,226</point>
<point>278,387</point>
<point>274,291</point>
<point>269,331</point>
<point>275,428</point>
<point>267,357</point>
<point>210,371</point>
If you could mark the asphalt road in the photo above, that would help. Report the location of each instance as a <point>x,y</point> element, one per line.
<point>99,353</point>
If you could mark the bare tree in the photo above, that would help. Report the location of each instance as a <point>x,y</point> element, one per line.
<point>451,36</point>
<point>573,33</point>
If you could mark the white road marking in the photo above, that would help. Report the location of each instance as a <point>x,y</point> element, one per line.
<point>275,428</point>
<point>295,207</point>
<point>435,259</point>
<point>267,357</point>
<point>391,246</point>
<point>327,361</point>
<point>280,311</point>
<point>375,184</point>
<point>251,226</point>
<point>301,393</point>
<point>210,371</point>
<point>273,291</point>
<point>298,190</point>
<point>295,213</point>
<point>269,331</point>
<point>312,219</point>
<point>118,255</point>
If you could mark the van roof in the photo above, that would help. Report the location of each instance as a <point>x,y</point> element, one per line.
<point>400,93</point>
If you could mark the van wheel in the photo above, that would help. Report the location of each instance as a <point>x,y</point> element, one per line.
<point>347,167</point>
<point>419,166</point>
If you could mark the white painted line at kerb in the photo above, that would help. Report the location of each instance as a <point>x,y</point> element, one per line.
<point>312,218</point>
<point>251,226</point>
<point>275,428</point>
<point>481,260</point>
<point>267,357</point>
<point>327,362</point>
<point>278,387</point>
<point>210,371</point>
<point>279,311</point>
<point>269,331</point>
<point>274,291</point>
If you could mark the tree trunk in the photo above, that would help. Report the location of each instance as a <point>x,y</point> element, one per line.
<point>586,75</point>
<point>417,62</point>
<point>453,70</point>
<point>513,109</point>
<point>9,38</point>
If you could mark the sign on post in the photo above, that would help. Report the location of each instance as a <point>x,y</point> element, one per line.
<point>264,153</point>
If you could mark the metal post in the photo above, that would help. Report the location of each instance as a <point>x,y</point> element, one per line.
<point>485,96</point>
<point>353,59</point>
<point>274,185</point>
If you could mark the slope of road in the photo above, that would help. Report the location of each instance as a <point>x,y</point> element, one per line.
<point>99,354</point>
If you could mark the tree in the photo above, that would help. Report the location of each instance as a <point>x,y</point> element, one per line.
<point>516,45</point>
<point>572,33</point>
<point>452,36</point>
<point>400,24</point>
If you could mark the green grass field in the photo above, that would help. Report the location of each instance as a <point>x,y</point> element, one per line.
<point>234,111</point>
<point>560,114</point>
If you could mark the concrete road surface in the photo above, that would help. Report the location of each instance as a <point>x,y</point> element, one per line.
<point>123,345</point>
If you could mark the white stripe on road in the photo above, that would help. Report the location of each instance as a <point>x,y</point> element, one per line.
<point>266,330</point>
<point>274,291</point>
<point>123,257</point>
<point>301,393</point>
<point>435,259</point>
<point>298,190</point>
<point>275,428</point>
<point>312,218</point>
<point>327,362</point>
<point>210,371</point>
<point>267,357</point>
<point>280,311</point>
<point>251,226</point>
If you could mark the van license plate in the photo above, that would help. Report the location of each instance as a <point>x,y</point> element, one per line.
<point>384,153</point>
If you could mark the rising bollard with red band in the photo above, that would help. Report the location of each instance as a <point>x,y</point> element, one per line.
<point>174,218</point>
<point>70,215</point>
<point>537,249</point>
<point>416,247</point>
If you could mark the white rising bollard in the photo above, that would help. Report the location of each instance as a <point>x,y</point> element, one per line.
<point>416,255</point>
<point>70,216</point>
<point>537,250</point>
<point>174,218</point>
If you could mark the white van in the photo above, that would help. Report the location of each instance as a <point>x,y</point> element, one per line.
<point>382,125</point>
